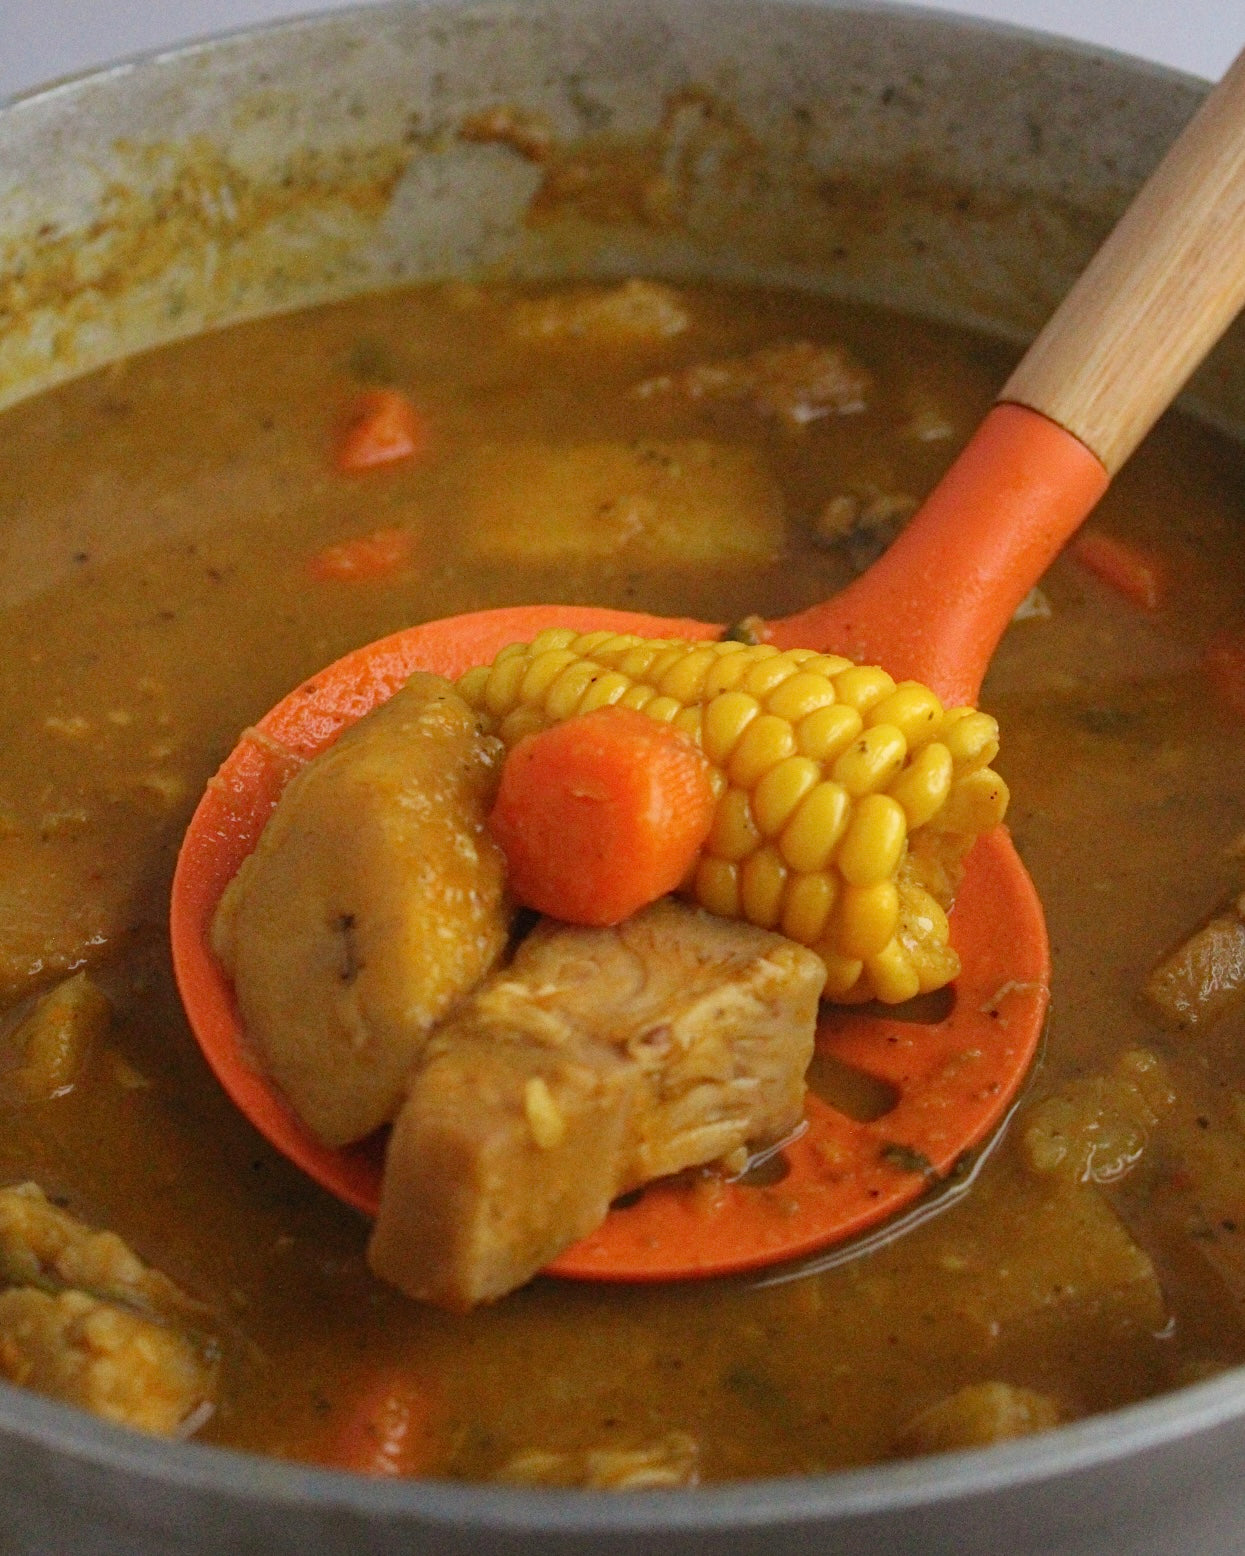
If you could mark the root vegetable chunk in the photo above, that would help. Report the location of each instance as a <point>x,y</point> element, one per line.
<point>374,901</point>
<point>598,1060</point>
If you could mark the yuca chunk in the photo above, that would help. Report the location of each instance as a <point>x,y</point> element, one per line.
<point>680,503</point>
<point>599,1059</point>
<point>103,1358</point>
<point>373,902</point>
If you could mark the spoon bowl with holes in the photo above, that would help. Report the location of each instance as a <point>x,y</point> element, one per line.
<point>1153,302</point>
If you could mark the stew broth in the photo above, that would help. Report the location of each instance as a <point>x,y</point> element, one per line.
<point>159,521</point>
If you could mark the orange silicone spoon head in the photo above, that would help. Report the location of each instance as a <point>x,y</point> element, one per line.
<point>953,1079</point>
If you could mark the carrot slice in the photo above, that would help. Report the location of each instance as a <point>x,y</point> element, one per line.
<point>1224,662</point>
<point>601,814</point>
<point>389,1432</point>
<point>384,426</point>
<point>1139,575</point>
<point>377,555</point>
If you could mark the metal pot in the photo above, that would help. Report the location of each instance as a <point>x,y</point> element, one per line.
<point>959,169</point>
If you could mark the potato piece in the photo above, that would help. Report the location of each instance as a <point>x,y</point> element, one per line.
<point>976,1416</point>
<point>1095,1130</point>
<point>634,313</point>
<point>54,1040</point>
<point>61,906</point>
<point>103,1358</point>
<point>688,503</point>
<point>1204,978</point>
<point>373,902</point>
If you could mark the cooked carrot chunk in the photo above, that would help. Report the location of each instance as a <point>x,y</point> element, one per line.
<point>1139,575</point>
<point>377,555</point>
<point>601,815</point>
<point>389,1431</point>
<point>384,426</point>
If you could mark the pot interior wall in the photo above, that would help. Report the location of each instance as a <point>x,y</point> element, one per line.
<point>878,154</point>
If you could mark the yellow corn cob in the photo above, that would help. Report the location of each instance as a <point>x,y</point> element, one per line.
<point>845,802</point>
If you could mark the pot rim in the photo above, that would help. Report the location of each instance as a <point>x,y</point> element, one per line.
<point>487,1507</point>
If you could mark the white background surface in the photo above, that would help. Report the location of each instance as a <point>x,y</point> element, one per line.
<point>43,39</point>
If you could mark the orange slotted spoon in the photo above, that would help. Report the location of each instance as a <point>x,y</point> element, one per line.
<point>1152,303</point>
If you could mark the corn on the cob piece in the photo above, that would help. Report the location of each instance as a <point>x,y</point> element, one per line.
<point>845,802</point>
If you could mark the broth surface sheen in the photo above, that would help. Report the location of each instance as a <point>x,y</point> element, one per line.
<point>159,518</point>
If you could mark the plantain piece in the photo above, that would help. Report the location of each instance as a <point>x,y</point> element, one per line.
<point>373,902</point>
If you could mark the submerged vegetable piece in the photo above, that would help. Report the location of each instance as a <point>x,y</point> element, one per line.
<point>374,900</point>
<point>389,1431</point>
<point>383,427</point>
<point>85,1321</point>
<point>976,1416</point>
<point>601,815</point>
<point>54,1039</point>
<point>598,1060</point>
<point>636,312</point>
<point>1139,575</point>
<point>845,802</point>
<point>377,555</point>
<point>677,503</point>
<point>797,382</point>
<point>1204,978</point>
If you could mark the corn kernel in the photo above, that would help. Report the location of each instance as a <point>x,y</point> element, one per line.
<point>913,709</point>
<point>588,645</point>
<point>734,833</point>
<point>871,761</point>
<point>808,905</point>
<point>664,709</point>
<point>799,696</point>
<point>717,886</point>
<point>842,972</point>
<point>471,686</point>
<point>865,918</point>
<point>726,719</point>
<point>766,742</point>
<point>543,670</point>
<point>562,698</point>
<point>972,739</point>
<point>874,841</point>
<point>863,685</point>
<point>521,721</point>
<point>922,787</point>
<point>637,696</point>
<point>729,669</point>
<point>551,637</point>
<point>762,880</point>
<point>635,661</point>
<point>810,838</point>
<point>502,691</point>
<point>892,975</point>
<point>976,803</point>
<point>769,674</point>
<point>828,732</point>
<point>685,680</point>
<point>780,790</point>
<point>544,1117</point>
<point>608,688</point>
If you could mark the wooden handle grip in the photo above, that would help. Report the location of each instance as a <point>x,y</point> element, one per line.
<point>1156,297</point>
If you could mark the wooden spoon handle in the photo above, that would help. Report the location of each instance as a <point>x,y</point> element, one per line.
<point>1157,295</point>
